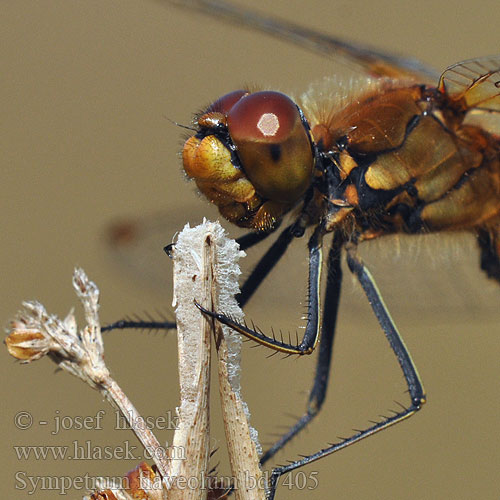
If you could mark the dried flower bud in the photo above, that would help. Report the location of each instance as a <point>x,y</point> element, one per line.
<point>26,344</point>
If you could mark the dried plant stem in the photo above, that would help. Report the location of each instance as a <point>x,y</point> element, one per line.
<point>114,393</point>
<point>194,256</point>
<point>36,333</point>
<point>243,455</point>
<point>205,270</point>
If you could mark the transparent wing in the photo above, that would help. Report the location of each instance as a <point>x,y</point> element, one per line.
<point>475,82</point>
<point>431,276</point>
<point>370,61</point>
<point>136,243</point>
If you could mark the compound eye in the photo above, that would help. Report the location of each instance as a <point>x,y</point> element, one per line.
<point>226,102</point>
<point>273,145</point>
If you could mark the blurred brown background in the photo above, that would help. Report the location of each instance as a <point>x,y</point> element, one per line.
<point>87,91</point>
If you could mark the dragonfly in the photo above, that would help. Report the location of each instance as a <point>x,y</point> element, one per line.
<point>407,152</point>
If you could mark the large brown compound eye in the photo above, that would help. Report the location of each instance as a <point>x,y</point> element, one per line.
<point>273,145</point>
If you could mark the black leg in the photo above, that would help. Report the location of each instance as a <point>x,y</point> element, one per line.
<point>330,310</point>
<point>410,373</point>
<point>311,334</point>
<point>252,238</point>
<point>489,243</point>
<point>265,265</point>
<point>139,324</point>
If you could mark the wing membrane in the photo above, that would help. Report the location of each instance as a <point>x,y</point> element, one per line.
<point>367,59</point>
<point>435,276</point>
<point>476,82</point>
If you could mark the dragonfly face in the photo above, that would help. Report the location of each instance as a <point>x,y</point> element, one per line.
<point>253,157</point>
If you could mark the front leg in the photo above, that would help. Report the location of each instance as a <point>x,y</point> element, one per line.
<point>311,334</point>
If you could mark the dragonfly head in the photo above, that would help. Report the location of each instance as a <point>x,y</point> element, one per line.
<point>252,156</point>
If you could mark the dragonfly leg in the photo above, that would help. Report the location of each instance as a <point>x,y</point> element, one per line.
<point>311,334</point>
<point>265,265</point>
<point>139,325</point>
<point>250,239</point>
<point>413,381</point>
<point>271,257</point>
<point>320,384</point>
<point>489,243</point>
